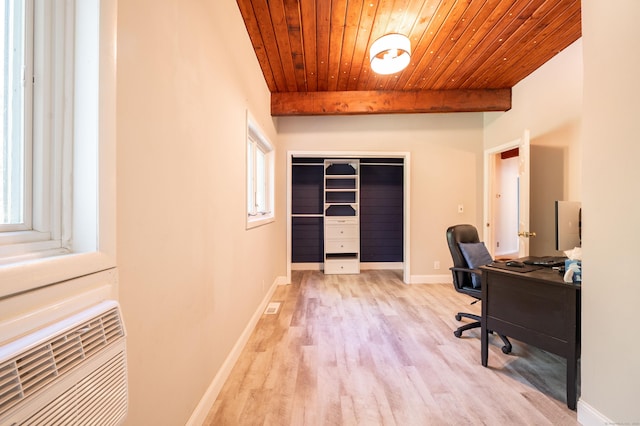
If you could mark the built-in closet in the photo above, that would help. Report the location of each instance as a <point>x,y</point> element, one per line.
<point>377,208</point>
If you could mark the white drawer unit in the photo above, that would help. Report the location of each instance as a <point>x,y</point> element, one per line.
<point>341,221</point>
<point>341,216</point>
<point>341,232</point>
<point>341,246</point>
<point>344,266</point>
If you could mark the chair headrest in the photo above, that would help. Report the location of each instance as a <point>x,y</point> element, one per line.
<point>457,234</point>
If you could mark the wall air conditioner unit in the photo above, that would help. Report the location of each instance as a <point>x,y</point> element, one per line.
<point>73,372</point>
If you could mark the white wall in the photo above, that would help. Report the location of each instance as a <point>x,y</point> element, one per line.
<point>191,276</point>
<point>611,208</point>
<point>446,169</point>
<point>568,139</point>
<point>544,102</point>
<point>555,174</point>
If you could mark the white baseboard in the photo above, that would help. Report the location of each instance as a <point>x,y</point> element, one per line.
<point>589,416</point>
<point>306,266</point>
<point>282,280</point>
<point>431,279</point>
<point>206,402</point>
<point>510,253</point>
<point>381,265</point>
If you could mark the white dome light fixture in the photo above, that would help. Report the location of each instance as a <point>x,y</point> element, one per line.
<point>390,54</point>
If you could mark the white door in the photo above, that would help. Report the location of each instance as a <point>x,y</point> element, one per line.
<point>492,177</point>
<point>524,233</point>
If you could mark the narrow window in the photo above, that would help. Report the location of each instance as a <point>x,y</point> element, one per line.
<point>260,185</point>
<point>15,151</point>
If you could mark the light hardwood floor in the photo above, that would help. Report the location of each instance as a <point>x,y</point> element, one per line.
<point>370,350</point>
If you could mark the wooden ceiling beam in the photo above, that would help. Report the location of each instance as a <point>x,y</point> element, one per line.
<point>389,102</point>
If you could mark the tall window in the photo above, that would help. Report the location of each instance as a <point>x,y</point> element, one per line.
<point>37,82</point>
<point>50,130</point>
<point>15,149</point>
<point>260,185</point>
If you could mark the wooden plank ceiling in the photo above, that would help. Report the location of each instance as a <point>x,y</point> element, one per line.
<point>466,54</point>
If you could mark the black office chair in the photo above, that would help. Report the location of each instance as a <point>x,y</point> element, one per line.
<point>466,279</point>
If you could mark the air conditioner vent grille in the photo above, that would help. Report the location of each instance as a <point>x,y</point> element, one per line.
<point>35,368</point>
<point>98,399</point>
<point>30,371</point>
<point>10,390</point>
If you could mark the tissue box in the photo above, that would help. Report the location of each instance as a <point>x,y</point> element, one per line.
<point>577,275</point>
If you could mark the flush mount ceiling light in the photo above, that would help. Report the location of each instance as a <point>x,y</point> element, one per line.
<point>390,53</point>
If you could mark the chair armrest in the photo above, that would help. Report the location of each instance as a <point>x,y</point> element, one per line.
<point>469,270</point>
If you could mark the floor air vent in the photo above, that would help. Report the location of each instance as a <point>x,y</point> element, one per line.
<point>70,373</point>
<point>272,308</point>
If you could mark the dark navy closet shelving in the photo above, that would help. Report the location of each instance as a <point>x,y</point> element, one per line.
<point>381,210</point>
<point>307,239</point>
<point>306,189</point>
<point>307,201</point>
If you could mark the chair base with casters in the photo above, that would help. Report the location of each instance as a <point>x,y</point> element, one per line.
<point>466,278</point>
<point>476,324</point>
<point>469,326</point>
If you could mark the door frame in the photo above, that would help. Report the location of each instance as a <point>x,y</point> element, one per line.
<point>406,156</point>
<point>488,228</point>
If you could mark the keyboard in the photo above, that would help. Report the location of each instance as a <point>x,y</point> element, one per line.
<point>545,261</point>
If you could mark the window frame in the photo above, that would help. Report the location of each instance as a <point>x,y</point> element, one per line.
<point>48,140</point>
<point>91,30</point>
<point>257,141</point>
<point>25,69</point>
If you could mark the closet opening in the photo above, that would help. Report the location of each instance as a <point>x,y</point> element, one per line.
<point>378,203</point>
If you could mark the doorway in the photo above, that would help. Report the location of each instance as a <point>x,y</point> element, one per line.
<point>372,159</point>
<point>506,199</point>
<point>505,204</point>
<point>523,179</point>
<point>502,202</point>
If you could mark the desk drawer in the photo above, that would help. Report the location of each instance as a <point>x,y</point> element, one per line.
<point>540,308</point>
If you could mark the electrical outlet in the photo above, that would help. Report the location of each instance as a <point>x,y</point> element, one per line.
<point>436,264</point>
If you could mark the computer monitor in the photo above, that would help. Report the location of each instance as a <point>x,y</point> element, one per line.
<point>568,225</point>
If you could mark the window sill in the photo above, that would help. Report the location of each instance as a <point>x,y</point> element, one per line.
<point>256,222</point>
<point>29,275</point>
<point>19,246</point>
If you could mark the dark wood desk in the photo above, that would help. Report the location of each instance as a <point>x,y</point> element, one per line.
<point>537,308</point>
